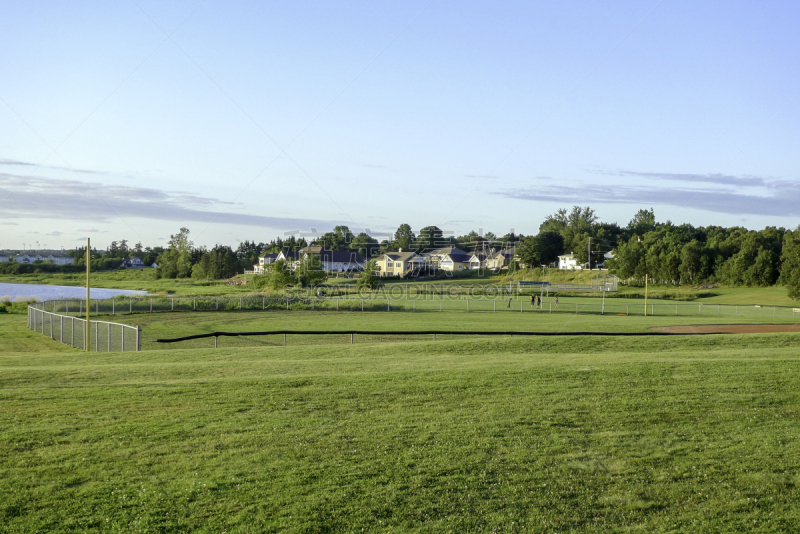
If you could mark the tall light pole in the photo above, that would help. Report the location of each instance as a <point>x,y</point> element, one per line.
<point>88,268</point>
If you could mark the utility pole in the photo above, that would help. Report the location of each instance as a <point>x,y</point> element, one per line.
<point>88,267</point>
<point>590,254</point>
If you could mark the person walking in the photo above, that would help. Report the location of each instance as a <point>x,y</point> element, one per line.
<point>556,302</point>
<point>533,301</point>
<point>509,302</point>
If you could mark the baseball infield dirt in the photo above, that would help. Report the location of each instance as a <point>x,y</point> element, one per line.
<point>729,329</point>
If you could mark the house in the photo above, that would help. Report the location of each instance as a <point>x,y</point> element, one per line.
<point>455,261</point>
<point>477,261</point>
<point>4,257</point>
<point>400,264</point>
<point>500,259</point>
<point>338,261</point>
<point>264,260</point>
<point>569,262</point>
<point>333,261</point>
<point>133,263</point>
<point>435,257</point>
<point>288,256</point>
<point>53,257</point>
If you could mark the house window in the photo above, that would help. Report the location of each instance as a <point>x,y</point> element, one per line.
<point>398,264</point>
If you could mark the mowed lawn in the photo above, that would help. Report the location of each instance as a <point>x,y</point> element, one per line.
<point>676,434</point>
<point>179,324</point>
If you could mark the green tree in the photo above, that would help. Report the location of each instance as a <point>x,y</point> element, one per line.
<point>644,221</point>
<point>541,249</point>
<point>280,277</point>
<point>365,244</point>
<point>429,238</point>
<point>790,263</point>
<point>368,279</point>
<point>309,272</point>
<point>403,237</point>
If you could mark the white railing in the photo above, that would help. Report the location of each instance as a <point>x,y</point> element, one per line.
<point>104,336</point>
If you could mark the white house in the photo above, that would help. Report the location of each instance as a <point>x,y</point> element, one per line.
<point>133,263</point>
<point>55,257</point>
<point>569,262</point>
<point>263,261</point>
<point>337,261</point>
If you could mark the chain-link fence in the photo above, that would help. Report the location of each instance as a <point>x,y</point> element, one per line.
<point>402,302</point>
<point>103,336</point>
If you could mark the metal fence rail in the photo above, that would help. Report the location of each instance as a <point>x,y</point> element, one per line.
<point>104,336</point>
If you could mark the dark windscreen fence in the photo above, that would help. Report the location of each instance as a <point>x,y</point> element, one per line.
<point>274,338</point>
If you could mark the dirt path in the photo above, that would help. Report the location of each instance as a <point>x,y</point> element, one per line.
<point>729,329</point>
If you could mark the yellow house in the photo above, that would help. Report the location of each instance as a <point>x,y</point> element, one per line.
<point>499,260</point>
<point>399,263</point>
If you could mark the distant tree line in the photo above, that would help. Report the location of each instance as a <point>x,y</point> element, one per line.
<point>664,252</point>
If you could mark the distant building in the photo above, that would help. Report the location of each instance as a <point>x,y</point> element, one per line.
<point>55,257</point>
<point>4,257</point>
<point>400,264</point>
<point>264,260</point>
<point>569,262</point>
<point>133,263</point>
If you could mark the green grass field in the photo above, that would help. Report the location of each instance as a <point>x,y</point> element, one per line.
<point>560,434</point>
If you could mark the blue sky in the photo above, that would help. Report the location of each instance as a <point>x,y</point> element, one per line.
<point>128,120</point>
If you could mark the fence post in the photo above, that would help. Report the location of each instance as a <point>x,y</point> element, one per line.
<point>387,305</point>
<point>130,304</point>
<point>123,337</point>
<point>73,332</point>
<point>287,309</point>
<point>81,312</point>
<point>415,305</point>
<point>138,338</point>
<point>494,305</point>
<point>194,303</point>
<point>51,328</point>
<point>113,307</point>
<point>173,304</point>
<point>96,337</point>
<point>312,304</point>
<point>676,309</point>
<point>351,339</point>
<point>109,337</point>
<point>240,303</point>
<point>96,307</point>
<point>284,340</point>
<point>151,305</point>
<point>215,341</point>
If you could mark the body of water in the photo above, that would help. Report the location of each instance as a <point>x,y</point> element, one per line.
<point>46,292</point>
